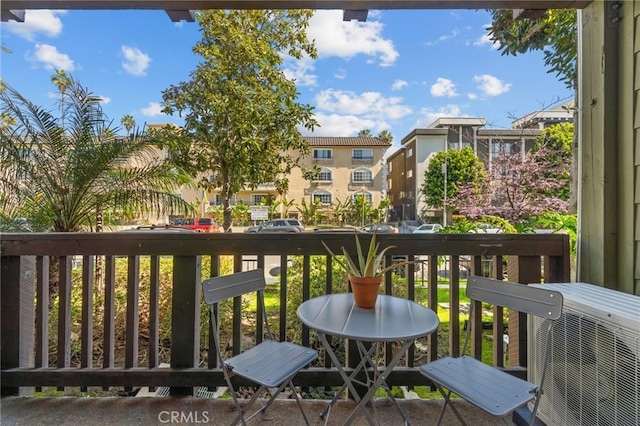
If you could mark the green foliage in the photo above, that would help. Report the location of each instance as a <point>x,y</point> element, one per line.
<point>555,33</point>
<point>240,111</point>
<point>560,223</point>
<point>61,175</point>
<point>557,140</point>
<point>463,167</point>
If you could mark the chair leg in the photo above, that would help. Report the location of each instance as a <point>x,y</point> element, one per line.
<point>248,405</point>
<point>447,401</point>
<point>295,394</point>
<point>235,399</point>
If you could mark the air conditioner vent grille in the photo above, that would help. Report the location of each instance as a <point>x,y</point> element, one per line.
<point>593,375</point>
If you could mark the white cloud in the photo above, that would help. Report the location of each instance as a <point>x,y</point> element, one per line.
<point>369,105</point>
<point>485,40</point>
<point>104,100</point>
<point>452,34</point>
<point>429,115</point>
<point>490,85</point>
<point>50,58</point>
<point>45,22</point>
<point>334,37</point>
<point>443,88</point>
<point>135,61</point>
<point>300,70</point>
<point>472,96</point>
<point>343,125</point>
<point>340,74</point>
<point>153,109</point>
<point>398,85</point>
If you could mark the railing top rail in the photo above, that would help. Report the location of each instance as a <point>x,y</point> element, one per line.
<point>159,243</point>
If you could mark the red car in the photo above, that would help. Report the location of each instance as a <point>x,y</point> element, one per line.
<point>197,224</point>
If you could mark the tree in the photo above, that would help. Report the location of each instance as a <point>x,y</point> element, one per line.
<point>385,135</point>
<point>128,122</point>
<point>66,175</point>
<point>516,188</point>
<point>365,133</point>
<point>63,177</point>
<point>241,114</point>
<point>557,140</point>
<point>463,167</point>
<point>62,81</point>
<point>556,34</point>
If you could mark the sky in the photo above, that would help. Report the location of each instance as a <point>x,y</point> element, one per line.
<point>398,71</point>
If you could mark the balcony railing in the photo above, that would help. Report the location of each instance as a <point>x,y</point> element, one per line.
<point>54,344</point>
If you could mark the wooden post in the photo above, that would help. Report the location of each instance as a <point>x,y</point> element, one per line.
<point>526,270</point>
<point>17,290</point>
<point>185,316</point>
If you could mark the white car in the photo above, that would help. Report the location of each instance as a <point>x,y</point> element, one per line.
<point>428,228</point>
<point>485,228</point>
<point>278,225</point>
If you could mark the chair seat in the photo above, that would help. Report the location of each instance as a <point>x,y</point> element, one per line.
<point>491,389</point>
<point>270,362</point>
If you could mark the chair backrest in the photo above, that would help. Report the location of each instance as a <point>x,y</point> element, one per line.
<point>545,303</point>
<point>225,287</point>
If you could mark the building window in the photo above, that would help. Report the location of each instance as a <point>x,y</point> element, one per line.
<point>505,147</point>
<point>362,175</point>
<point>323,197</point>
<point>389,183</point>
<point>409,174</point>
<point>218,200</point>
<point>322,154</point>
<point>258,199</point>
<point>410,152</point>
<point>390,167</point>
<point>367,196</point>
<point>325,175</point>
<point>362,154</point>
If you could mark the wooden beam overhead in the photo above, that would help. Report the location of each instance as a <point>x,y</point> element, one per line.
<point>174,5</point>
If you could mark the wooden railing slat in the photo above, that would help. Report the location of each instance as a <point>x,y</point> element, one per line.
<point>42,311</point>
<point>86,333</point>
<point>154,312</point>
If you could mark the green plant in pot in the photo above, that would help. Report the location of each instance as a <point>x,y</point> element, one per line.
<point>366,271</point>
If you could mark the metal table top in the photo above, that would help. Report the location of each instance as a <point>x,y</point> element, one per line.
<point>392,318</point>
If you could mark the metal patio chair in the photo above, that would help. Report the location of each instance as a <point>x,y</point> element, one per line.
<point>269,364</point>
<point>489,388</point>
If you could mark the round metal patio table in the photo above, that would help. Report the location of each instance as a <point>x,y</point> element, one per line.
<point>391,320</point>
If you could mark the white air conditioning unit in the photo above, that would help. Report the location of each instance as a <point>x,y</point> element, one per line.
<point>593,374</point>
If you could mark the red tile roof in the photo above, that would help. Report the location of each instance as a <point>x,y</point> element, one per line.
<point>346,141</point>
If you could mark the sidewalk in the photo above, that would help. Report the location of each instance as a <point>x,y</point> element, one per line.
<point>71,411</point>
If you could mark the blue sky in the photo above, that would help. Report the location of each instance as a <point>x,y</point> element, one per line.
<point>398,71</point>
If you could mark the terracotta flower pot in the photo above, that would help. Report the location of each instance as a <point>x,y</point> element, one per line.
<point>365,290</point>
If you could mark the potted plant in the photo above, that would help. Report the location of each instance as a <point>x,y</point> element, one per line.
<point>365,273</point>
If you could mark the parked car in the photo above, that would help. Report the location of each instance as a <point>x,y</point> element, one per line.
<point>405,226</point>
<point>485,228</point>
<point>278,225</point>
<point>379,228</point>
<point>197,224</point>
<point>160,228</point>
<point>428,228</point>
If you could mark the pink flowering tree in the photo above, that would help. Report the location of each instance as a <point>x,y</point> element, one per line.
<point>516,188</point>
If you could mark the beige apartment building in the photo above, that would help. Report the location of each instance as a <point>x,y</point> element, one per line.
<point>349,166</point>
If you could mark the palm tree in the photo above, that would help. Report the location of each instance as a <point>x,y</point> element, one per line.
<point>67,176</point>
<point>385,135</point>
<point>365,132</point>
<point>128,122</point>
<point>62,81</point>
